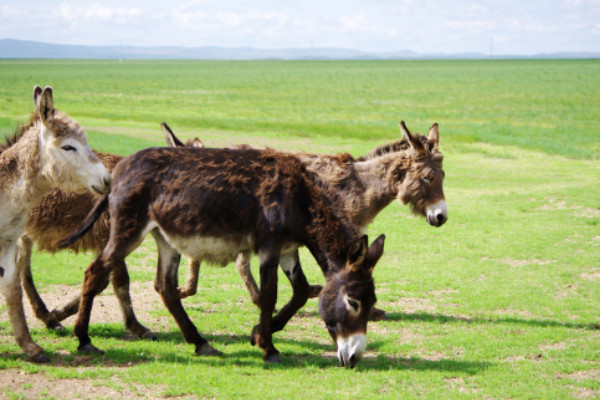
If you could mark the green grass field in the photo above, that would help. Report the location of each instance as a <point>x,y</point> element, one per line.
<point>501,302</point>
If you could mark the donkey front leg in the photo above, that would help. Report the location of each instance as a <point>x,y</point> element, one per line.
<point>262,334</point>
<point>166,285</point>
<point>290,263</point>
<point>10,285</point>
<point>24,250</point>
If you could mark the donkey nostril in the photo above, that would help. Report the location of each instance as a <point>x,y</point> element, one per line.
<point>440,218</point>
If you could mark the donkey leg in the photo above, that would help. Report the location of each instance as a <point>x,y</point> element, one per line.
<point>38,306</point>
<point>262,334</point>
<point>242,264</point>
<point>166,285</point>
<point>290,263</point>
<point>95,280</point>
<point>10,286</point>
<point>67,310</point>
<point>191,285</point>
<point>120,281</point>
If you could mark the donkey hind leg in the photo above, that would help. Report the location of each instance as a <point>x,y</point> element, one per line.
<point>96,279</point>
<point>120,281</point>
<point>262,334</point>
<point>191,285</point>
<point>10,286</point>
<point>166,285</point>
<point>242,264</point>
<point>24,250</point>
<point>290,263</point>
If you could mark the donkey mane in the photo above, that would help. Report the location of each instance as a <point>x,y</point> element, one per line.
<point>18,132</point>
<point>399,145</point>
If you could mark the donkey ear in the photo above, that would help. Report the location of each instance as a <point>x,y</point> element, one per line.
<point>46,105</point>
<point>375,252</point>
<point>197,143</point>
<point>172,140</point>
<point>415,143</point>
<point>357,253</point>
<point>37,93</point>
<point>434,135</point>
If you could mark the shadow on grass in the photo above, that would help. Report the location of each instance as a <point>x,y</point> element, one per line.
<point>295,354</point>
<point>441,318</point>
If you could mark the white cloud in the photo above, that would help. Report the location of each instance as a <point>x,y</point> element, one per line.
<point>9,12</point>
<point>97,12</point>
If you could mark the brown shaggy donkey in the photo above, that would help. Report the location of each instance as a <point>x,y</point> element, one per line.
<point>50,150</point>
<point>216,203</point>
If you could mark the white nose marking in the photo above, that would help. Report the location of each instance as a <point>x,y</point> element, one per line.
<point>351,349</point>
<point>437,213</point>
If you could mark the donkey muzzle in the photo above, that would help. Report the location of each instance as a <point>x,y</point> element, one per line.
<point>437,214</point>
<point>351,349</point>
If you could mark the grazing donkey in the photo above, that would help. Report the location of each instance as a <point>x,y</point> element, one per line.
<point>216,203</point>
<point>50,150</point>
<point>60,213</point>
<point>409,169</point>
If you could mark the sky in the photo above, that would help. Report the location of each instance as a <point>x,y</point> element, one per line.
<point>519,27</point>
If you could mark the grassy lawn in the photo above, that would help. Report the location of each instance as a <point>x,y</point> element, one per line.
<point>501,302</point>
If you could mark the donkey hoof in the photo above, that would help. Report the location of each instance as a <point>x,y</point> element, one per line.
<point>377,315</point>
<point>149,336</point>
<point>314,291</point>
<point>273,358</point>
<point>90,349</point>
<point>255,335</point>
<point>55,326</point>
<point>207,350</point>
<point>39,358</point>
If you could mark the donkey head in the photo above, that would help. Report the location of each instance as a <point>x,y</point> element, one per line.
<point>347,298</point>
<point>68,161</point>
<point>421,176</point>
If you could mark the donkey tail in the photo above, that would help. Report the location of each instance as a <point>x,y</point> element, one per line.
<point>99,208</point>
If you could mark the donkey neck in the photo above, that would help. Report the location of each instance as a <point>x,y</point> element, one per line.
<point>22,181</point>
<point>361,188</point>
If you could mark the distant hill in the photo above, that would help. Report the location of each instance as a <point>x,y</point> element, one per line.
<point>10,48</point>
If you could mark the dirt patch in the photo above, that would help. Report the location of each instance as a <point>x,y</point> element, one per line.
<point>21,385</point>
<point>106,306</point>
<point>578,210</point>
<point>593,275</point>
<point>413,305</point>
<point>579,376</point>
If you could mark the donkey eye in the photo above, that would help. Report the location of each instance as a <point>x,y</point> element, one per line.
<point>427,180</point>
<point>354,304</point>
<point>69,148</point>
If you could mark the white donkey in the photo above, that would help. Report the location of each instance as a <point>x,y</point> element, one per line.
<point>49,151</point>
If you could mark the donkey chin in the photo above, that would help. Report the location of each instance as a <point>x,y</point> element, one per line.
<point>437,214</point>
<point>351,349</point>
<point>96,179</point>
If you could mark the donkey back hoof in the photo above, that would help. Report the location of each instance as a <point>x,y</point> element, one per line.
<point>149,335</point>
<point>377,315</point>
<point>273,358</point>
<point>207,350</point>
<point>89,349</point>
<point>55,326</point>
<point>39,358</point>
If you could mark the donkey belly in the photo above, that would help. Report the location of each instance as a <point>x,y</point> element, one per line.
<point>211,249</point>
